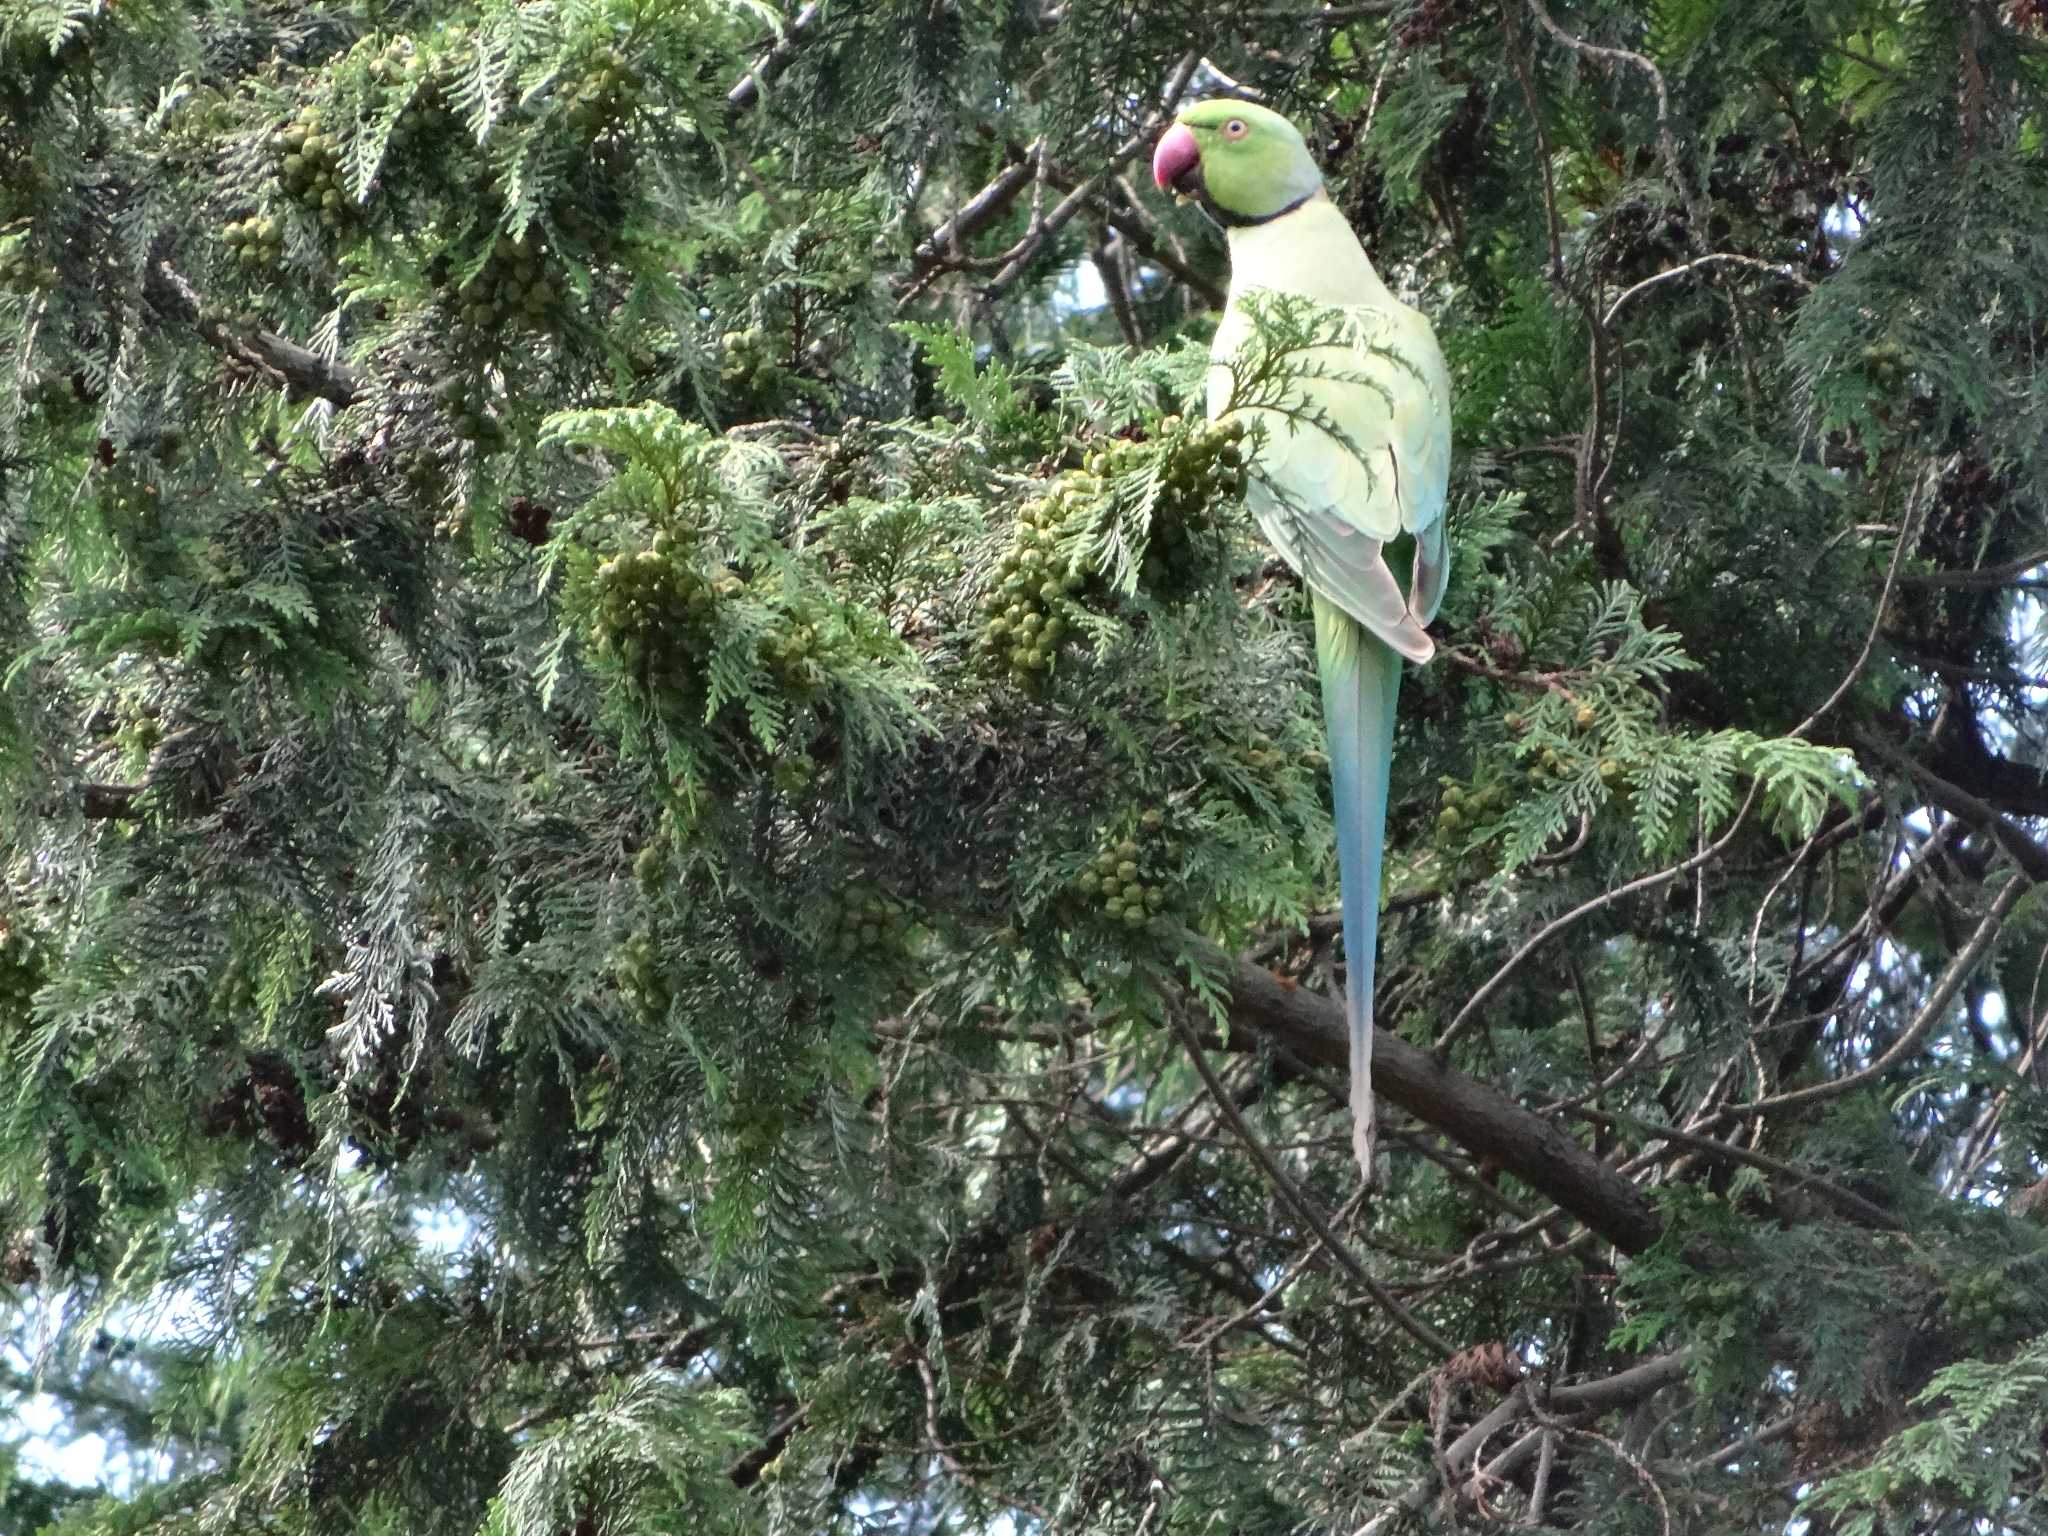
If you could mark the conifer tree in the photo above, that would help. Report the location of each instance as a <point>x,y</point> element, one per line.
<point>667,860</point>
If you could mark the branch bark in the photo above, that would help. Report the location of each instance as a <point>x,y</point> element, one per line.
<point>976,213</point>
<point>1140,240</point>
<point>2007,574</point>
<point>1021,255</point>
<point>1586,1399</point>
<point>770,66</point>
<point>2031,856</point>
<point>1477,1117</point>
<point>298,368</point>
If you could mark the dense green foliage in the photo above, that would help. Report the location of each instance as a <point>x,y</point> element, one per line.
<point>666,853</point>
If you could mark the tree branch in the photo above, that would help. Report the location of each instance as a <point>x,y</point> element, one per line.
<point>1140,239</point>
<point>767,69</point>
<point>292,365</point>
<point>1937,1004</point>
<point>1479,1118</point>
<point>1778,268</point>
<point>974,215</point>
<point>2029,855</point>
<point>1849,1203</point>
<point>1291,1194</point>
<point>1557,925</point>
<point>2007,574</point>
<point>1582,1400</point>
<point>1020,256</point>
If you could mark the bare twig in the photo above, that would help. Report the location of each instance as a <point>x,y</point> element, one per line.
<point>1305,1208</point>
<point>1535,682</point>
<point>2030,855</point>
<point>1020,256</point>
<point>1546,1459</point>
<point>1742,1445</point>
<point>296,367</point>
<point>1622,1454</point>
<point>1272,1293</point>
<point>1884,597</point>
<point>1778,268</point>
<point>1110,265</point>
<point>1666,144</point>
<point>944,245</point>
<point>1931,1011</point>
<point>1512,32</point>
<point>1583,1399</point>
<point>1141,240</point>
<point>952,1463</point>
<point>1849,1203</point>
<point>1557,925</point>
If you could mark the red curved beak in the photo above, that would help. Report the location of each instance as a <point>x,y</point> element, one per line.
<point>1177,154</point>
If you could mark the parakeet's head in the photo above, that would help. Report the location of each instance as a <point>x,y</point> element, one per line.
<point>1245,162</point>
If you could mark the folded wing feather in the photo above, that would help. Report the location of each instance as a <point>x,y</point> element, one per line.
<point>1356,454</point>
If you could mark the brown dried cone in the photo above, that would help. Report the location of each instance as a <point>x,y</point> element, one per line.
<point>1822,1436</point>
<point>1484,1367</point>
<point>18,1263</point>
<point>1492,1367</point>
<point>1826,1437</point>
<point>2032,1202</point>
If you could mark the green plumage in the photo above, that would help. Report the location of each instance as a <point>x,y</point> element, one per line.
<point>1352,454</point>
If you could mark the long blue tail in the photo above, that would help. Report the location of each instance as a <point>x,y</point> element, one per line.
<point>1361,681</point>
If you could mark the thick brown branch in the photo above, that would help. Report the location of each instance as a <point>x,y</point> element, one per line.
<point>1020,256</point>
<point>1967,763</point>
<point>1140,240</point>
<point>1848,1202</point>
<point>298,368</point>
<point>1481,1119</point>
<point>975,214</point>
<point>2029,855</point>
<point>2005,575</point>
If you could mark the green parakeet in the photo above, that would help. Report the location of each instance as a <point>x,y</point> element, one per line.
<point>1353,451</point>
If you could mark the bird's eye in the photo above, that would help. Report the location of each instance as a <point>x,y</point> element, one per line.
<point>1236,128</point>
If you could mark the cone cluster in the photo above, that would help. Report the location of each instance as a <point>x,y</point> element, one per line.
<point>865,924</point>
<point>643,984</point>
<point>656,606</point>
<point>656,611</point>
<point>463,400</point>
<point>1127,881</point>
<point>603,94</point>
<point>515,286</point>
<point>746,362</point>
<point>309,164</point>
<point>1463,806</point>
<point>1032,607</point>
<point>1200,467</point>
<point>256,241</point>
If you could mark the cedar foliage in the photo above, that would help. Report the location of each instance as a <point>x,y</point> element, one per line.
<point>666,857</point>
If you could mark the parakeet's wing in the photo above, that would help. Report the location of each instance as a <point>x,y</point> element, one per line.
<point>1356,453</point>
